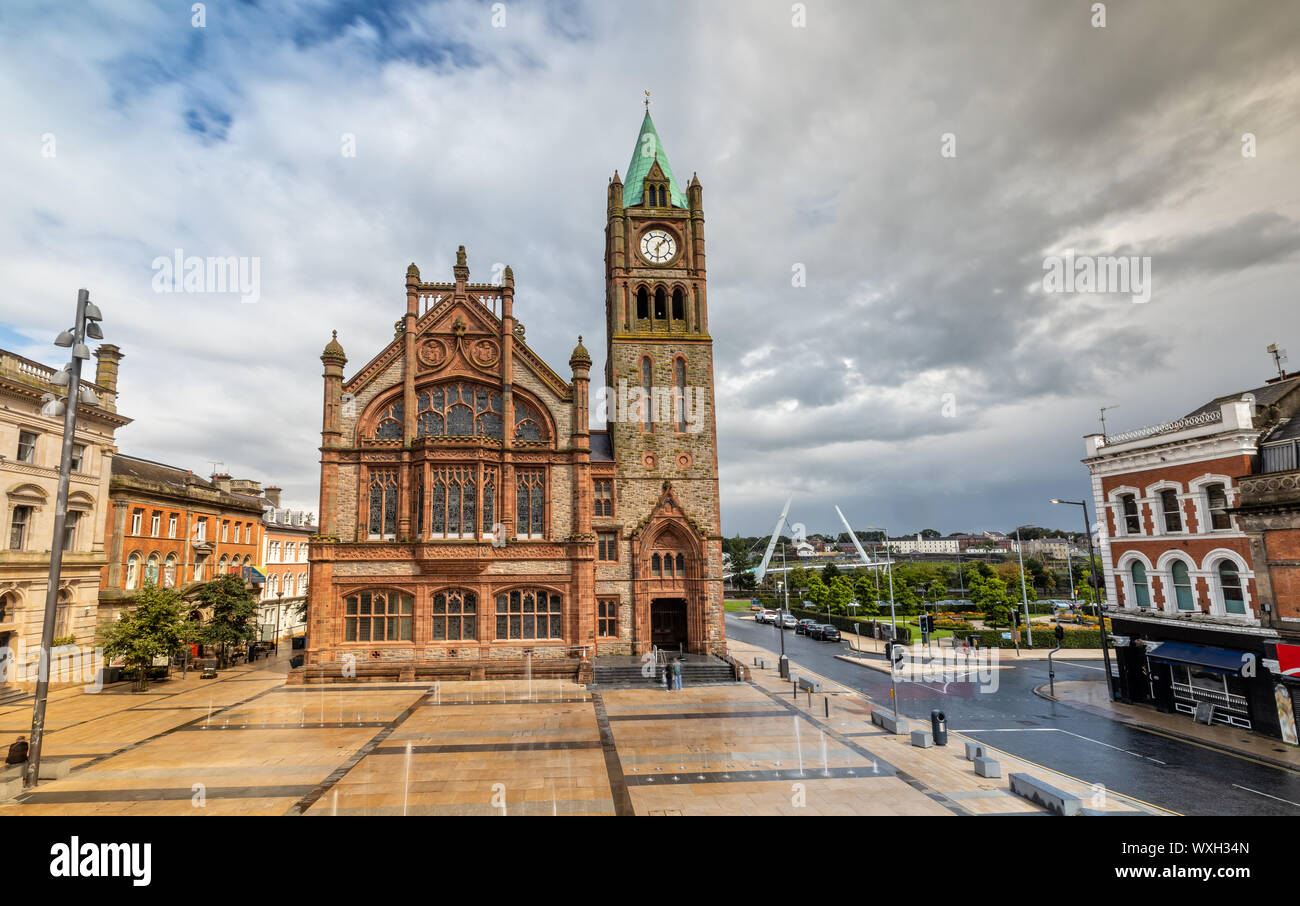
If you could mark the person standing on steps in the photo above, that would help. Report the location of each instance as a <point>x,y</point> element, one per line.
<point>677,674</point>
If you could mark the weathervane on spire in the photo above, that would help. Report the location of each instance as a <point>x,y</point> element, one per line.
<point>647,100</point>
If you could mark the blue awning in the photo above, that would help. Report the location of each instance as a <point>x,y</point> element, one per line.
<point>1220,660</point>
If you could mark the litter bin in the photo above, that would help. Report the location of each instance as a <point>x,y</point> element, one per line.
<point>939,727</point>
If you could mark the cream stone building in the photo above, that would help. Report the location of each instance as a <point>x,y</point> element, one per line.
<point>30,450</point>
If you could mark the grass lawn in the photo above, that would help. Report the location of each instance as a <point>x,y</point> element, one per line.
<point>736,606</point>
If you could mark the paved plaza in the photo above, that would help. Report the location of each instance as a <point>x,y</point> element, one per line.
<point>247,743</point>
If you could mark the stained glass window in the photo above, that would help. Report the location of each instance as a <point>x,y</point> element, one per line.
<point>530,500</point>
<point>379,616</point>
<point>454,616</point>
<point>459,410</point>
<point>489,500</point>
<point>647,386</point>
<point>528,424</point>
<point>680,400</point>
<point>390,423</point>
<point>529,614</point>
<point>383,502</point>
<point>454,502</point>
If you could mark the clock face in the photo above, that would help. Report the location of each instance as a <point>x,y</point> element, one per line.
<point>658,246</point>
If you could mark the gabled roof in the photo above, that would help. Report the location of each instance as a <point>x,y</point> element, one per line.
<point>643,160</point>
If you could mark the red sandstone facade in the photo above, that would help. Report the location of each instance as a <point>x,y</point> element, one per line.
<point>469,513</point>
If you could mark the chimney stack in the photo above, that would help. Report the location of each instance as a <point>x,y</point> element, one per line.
<point>222,481</point>
<point>272,493</point>
<point>106,374</point>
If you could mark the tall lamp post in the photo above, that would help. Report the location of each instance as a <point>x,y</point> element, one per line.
<point>1093,581</point>
<point>893,617</point>
<point>86,325</point>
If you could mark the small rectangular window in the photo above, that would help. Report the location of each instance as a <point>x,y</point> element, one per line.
<point>155,524</point>
<point>603,497</point>
<point>78,456</point>
<point>22,515</point>
<point>171,526</point>
<point>1173,517</point>
<point>70,530</point>
<point>137,521</point>
<point>26,446</point>
<point>607,546</point>
<point>607,618</point>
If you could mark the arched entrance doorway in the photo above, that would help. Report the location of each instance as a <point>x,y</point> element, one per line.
<point>668,626</point>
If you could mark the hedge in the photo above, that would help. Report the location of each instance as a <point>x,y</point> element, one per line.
<point>1044,637</point>
<point>846,624</point>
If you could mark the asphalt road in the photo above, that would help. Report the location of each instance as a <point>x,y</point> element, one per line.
<point>1173,774</point>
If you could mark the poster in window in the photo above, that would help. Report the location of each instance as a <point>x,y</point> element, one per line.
<point>1285,714</point>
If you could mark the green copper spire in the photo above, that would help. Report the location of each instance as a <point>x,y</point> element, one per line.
<point>649,150</point>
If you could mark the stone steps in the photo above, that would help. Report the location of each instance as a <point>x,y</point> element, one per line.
<point>692,674</point>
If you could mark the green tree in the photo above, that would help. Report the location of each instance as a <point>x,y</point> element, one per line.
<point>154,627</point>
<point>817,592</point>
<point>841,593</point>
<point>233,614</point>
<point>989,594</point>
<point>830,572</point>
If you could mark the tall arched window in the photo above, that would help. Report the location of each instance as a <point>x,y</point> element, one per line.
<point>383,503</point>
<point>530,499</point>
<point>528,423</point>
<point>1234,598</point>
<point>132,571</point>
<point>679,396</point>
<point>489,501</point>
<point>656,565</point>
<point>679,305</point>
<point>169,571</point>
<point>642,303</point>
<point>151,570</point>
<point>661,304</point>
<point>647,387</point>
<point>1182,581</point>
<point>1141,592</point>
<point>455,492</point>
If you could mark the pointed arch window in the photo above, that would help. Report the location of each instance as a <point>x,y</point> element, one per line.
<point>642,303</point>
<point>489,501</point>
<point>679,305</point>
<point>459,410</point>
<point>389,426</point>
<point>656,566</point>
<point>661,304</point>
<point>383,503</point>
<point>528,423</point>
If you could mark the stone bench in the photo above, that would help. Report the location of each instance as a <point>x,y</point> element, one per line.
<point>922,739</point>
<point>885,720</point>
<point>1044,794</point>
<point>762,663</point>
<point>809,685</point>
<point>974,750</point>
<point>987,767</point>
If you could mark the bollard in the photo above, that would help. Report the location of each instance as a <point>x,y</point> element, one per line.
<point>827,700</point>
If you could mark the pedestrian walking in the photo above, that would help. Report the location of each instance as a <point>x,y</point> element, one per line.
<point>677,674</point>
<point>668,677</point>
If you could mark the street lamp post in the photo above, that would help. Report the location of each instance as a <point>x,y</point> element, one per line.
<point>87,325</point>
<point>279,606</point>
<point>1092,580</point>
<point>893,618</point>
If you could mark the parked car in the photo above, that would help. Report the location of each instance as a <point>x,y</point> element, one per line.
<point>823,632</point>
<point>803,626</point>
<point>765,616</point>
<point>788,621</point>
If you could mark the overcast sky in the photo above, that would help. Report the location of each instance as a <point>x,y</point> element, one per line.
<point>128,133</point>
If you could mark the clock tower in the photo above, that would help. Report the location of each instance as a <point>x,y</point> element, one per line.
<point>661,415</point>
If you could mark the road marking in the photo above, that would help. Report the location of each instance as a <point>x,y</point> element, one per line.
<point>1084,666</point>
<point>1068,732</point>
<point>1229,754</point>
<point>1258,793</point>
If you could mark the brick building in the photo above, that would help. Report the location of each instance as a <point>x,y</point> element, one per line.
<point>1268,510</point>
<point>1182,581</point>
<point>169,527</point>
<point>468,511</point>
<point>31,448</point>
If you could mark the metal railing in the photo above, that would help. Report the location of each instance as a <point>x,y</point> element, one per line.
<point>1179,424</point>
